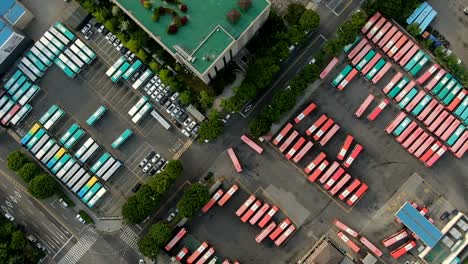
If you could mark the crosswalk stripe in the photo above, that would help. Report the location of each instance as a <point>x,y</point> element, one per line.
<point>130,238</point>
<point>80,248</point>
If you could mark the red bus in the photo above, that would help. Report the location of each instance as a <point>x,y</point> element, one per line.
<point>398,236</point>
<point>459,143</point>
<point>382,72</point>
<point>329,172</point>
<point>176,239</point>
<point>381,32</point>
<point>376,27</point>
<point>423,78</point>
<point>340,184</point>
<point>365,104</point>
<point>430,151</point>
<point>347,79</point>
<point>348,242</point>
<point>406,132</point>
<point>353,156</point>
<point>371,63</point>
<point>395,122</point>
<point>279,229</point>
<point>415,101</point>
<point>358,194</point>
<point>303,151</point>
<point>226,262</point>
<point>318,171</point>
<point>450,130</point>
<point>265,232</point>
<point>361,54</point>
<point>354,184</point>
<point>182,253</point>
<point>234,160</point>
<point>206,256</point>
<point>397,46</point>
<point>252,144</point>
<point>212,201</point>
<point>378,109</point>
<point>245,205</point>
<point>418,142</point>
<point>357,48</point>
<point>370,22</point>
<point>392,41</point>
<point>259,214</point>
<point>228,195</point>
<point>197,253</point>
<point>396,78</point>
<point>314,163</point>
<point>434,158</point>
<point>406,53</point>
<point>435,80</point>
<point>371,246</point>
<point>268,216</point>
<point>323,129</point>
<point>295,148</point>
<point>433,115</point>
<point>334,178</point>
<point>285,235</point>
<point>329,135</point>
<point>305,113</point>
<point>345,228</point>
<point>424,147</point>
<point>10,114</point>
<point>288,141</point>
<point>345,147</point>
<point>459,154</point>
<point>404,91</point>
<point>445,124</point>
<point>316,124</point>
<point>432,104</point>
<point>403,249</point>
<point>457,100</point>
<point>329,67</point>
<point>387,36</point>
<point>412,138</point>
<point>282,134</point>
<point>251,211</point>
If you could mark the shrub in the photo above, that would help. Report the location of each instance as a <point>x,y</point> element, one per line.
<point>172,29</point>
<point>86,217</point>
<point>16,160</point>
<point>193,199</point>
<point>157,236</point>
<point>29,171</point>
<point>42,186</point>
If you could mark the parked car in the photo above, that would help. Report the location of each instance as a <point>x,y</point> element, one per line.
<point>143,163</point>
<point>191,126</point>
<point>135,76</point>
<point>465,10</point>
<point>9,217</point>
<point>171,108</point>
<point>172,215</point>
<point>119,47</point>
<point>167,104</point>
<point>175,96</point>
<point>164,99</point>
<point>175,111</point>
<point>80,219</point>
<point>89,34</point>
<point>179,114</point>
<point>31,238</point>
<point>136,187</point>
<point>187,122</point>
<point>101,28</point>
<point>182,117</point>
<point>117,42</point>
<point>195,130</point>
<point>152,171</point>
<point>64,204</point>
<point>109,35</point>
<point>147,167</point>
<point>155,158</point>
<point>86,28</point>
<point>40,246</point>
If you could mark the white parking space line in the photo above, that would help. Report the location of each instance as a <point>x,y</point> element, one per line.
<point>119,94</point>
<point>143,150</point>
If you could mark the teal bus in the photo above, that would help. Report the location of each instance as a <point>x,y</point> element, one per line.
<point>48,114</point>
<point>448,99</point>
<point>36,61</point>
<point>69,133</point>
<point>418,56</point>
<point>87,186</point>
<point>419,66</point>
<point>30,133</point>
<point>456,135</point>
<point>342,75</point>
<point>115,66</point>
<point>41,56</point>
<point>91,192</point>
<point>409,96</point>
<point>97,197</point>
<point>64,30</point>
<point>118,74</point>
<point>35,138</point>
<point>22,90</point>
<point>65,68</point>
<point>447,88</point>
<point>103,159</point>
<point>85,48</point>
<point>62,161</point>
<point>80,54</point>
<point>59,45</point>
<point>69,63</point>
<point>365,60</point>
<point>377,67</point>
<point>22,79</point>
<point>96,115</point>
<point>73,139</point>
<point>42,48</point>
<point>403,125</point>
<point>50,46</point>
<point>29,95</point>
<point>441,83</point>
<point>122,138</point>
<point>349,46</point>
<point>71,55</point>
<point>13,80</point>
<point>58,35</point>
<point>135,67</point>
<point>396,90</point>
<point>54,118</point>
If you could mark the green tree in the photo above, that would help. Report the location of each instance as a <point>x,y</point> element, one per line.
<point>174,168</point>
<point>154,66</point>
<point>142,54</point>
<point>413,29</point>
<point>42,186</point>
<point>259,126</point>
<point>16,160</point>
<point>161,183</point>
<point>133,45</point>
<point>193,199</point>
<point>18,241</point>
<point>29,171</point>
<point>211,128</point>
<point>206,100</point>
<point>333,47</point>
<point>157,236</point>
<point>293,13</point>
<point>147,4</point>
<point>86,217</point>
<point>140,205</point>
<point>165,75</point>
<point>295,35</point>
<point>101,14</point>
<point>309,20</point>
<point>185,97</point>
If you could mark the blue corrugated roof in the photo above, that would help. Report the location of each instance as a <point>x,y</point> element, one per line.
<point>5,33</point>
<point>5,5</point>
<point>14,13</point>
<point>419,225</point>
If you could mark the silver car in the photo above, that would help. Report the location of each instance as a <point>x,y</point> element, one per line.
<point>175,112</point>
<point>191,126</point>
<point>171,108</point>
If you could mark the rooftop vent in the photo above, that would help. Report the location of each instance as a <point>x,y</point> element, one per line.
<point>245,4</point>
<point>233,16</point>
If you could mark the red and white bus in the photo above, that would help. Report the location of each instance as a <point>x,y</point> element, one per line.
<point>404,91</point>
<point>197,253</point>
<point>434,158</point>
<point>435,80</point>
<point>403,249</point>
<point>285,235</point>
<point>282,134</point>
<point>406,53</point>
<point>370,246</point>
<point>329,134</point>
<point>318,171</point>
<point>392,42</point>
<point>265,232</point>
<point>415,101</point>
<point>378,109</point>
<point>212,201</point>
<point>357,195</point>
<point>295,148</point>
<point>280,228</point>
<point>303,151</point>
<point>398,236</point>
<point>424,147</point>
<point>406,132</point>
<point>331,65</point>
<point>365,104</point>
<point>371,63</point>
<point>376,27</point>
<point>357,48</point>
<point>430,151</point>
<point>387,37</point>
<point>305,113</point>
<point>395,122</point>
<point>412,138</point>
<point>345,228</point>
<point>334,178</point>
<point>245,205</point>
<point>314,163</point>
<point>182,253</point>
<point>353,156</point>
<point>370,22</point>
<point>381,32</point>
<point>354,184</point>
<point>347,79</point>
<point>234,160</point>
<point>340,184</point>
<point>361,54</point>
<point>423,78</point>
<point>259,214</point>
<point>397,46</point>
<point>206,256</point>
<point>251,211</point>
<point>382,72</point>
<point>348,242</point>
<point>252,144</point>
<point>273,210</point>
<point>396,78</point>
<point>329,172</point>
<point>459,143</point>
<point>418,142</point>
<point>459,154</point>
<point>345,147</point>
<point>323,129</point>
<point>176,239</point>
<point>432,104</point>
<point>434,114</point>
<point>316,124</point>
<point>450,130</point>
<point>288,141</point>
<point>456,101</point>
<point>228,195</point>
<point>445,124</point>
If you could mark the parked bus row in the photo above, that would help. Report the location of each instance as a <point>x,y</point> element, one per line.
<point>106,166</point>
<point>140,109</point>
<point>377,110</point>
<point>11,113</point>
<point>51,116</point>
<point>220,197</point>
<point>353,234</point>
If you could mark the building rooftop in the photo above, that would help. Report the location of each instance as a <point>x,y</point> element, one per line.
<point>208,31</point>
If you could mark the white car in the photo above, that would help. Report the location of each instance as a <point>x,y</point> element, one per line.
<point>147,167</point>
<point>175,111</point>
<point>31,238</point>
<point>187,122</point>
<point>174,96</point>
<point>154,94</point>
<point>152,89</point>
<point>64,204</point>
<point>187,134</point>
<point>9,217</point>
<point>86,28</point>
<point>80,219</point>
<point>191,126</point>
<point>171,108</point>
<point>155,158</point>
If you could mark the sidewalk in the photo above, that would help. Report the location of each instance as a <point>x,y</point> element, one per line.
<point>108,225</point>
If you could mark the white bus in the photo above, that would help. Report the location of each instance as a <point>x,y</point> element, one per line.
<point>57,34</point>
<point>105,167</point>
<point>85,48</point>
<point>80,54</point>
<point>54,40</point>
<point>74,58</point>
<point>27,72</point>
<point>89,152</point>
<point>112,170</point>
<point>33,90</point>
<point>76,177</point>
<point>137,106</point>
<point>81,182</point>
<point>84,147</point>
<point>69,63</point>
<point>137,84</point>
<point>21,114</point>
<point>143,111</point>
<point>50,153</point>
<point>115,66</point>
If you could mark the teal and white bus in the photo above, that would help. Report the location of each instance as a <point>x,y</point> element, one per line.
<point>142,112</point>
<point>62,28</point>
<point>118,74</point>
<point>46,116</point>
<point>19,82</point>
<point>97,197</point>
<point>53,119</point>
<point>137,84</point>
<point>80,54</point>
<point>25,139</point>
<point>88,143</point>
<point>49,154</point>
<point>76,136</point>
<point>29,95</point>
<point>41,56</point>
<point>85,48</point>
<point>115,66</point>
<point>87,186</point>
<point>58,35</point>
<point>36,61</point>
<point>122,138</point>
<point>137,106</point>
<point>74,58</point>
<point>69,133</point>
<point>81,182</point>
<point>22,90</point>
<point>36,146</point>
<point>70,163</point>
<point>51,47</point>
<point>62,161</point>
<point>101,161</point>
<point>69,63</point>
<point>13,80</point>
<point>37,136</point>
<point>44,149</point>
<point>90,152</point>
<point>42,48</point>
<point>96,115</point>
<point>26,109</point>
<point>135,66</point>
<point>65,68</point>
<point>59,45</point>
<point>91,192</point>
<point>112,170</point>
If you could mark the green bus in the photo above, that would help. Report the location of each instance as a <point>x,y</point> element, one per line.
<point>12,80</point>
<point>69,133</point>
<point>419,66</point>
<point>456,135</point>
<point>365,60</point>
<point>135,66</point>
<point>398,87</point>
<point>342,75</point>
<point>441,83</point>
<point>409,96</point>
<point>48,114</point>
<point>64,30</point>
<point>377,67</point>
<point>96,115</point>
<point>447,88</point>
<point>103,159</point>
<point>24,88</point>
<point>36,61</point>
<point>448,99</point>
<point>422,104</point>
<point>418,56</point>
<point>118,74</point>
<point>65,68</point>
<point>122,138</point>
<point>76,136</point>
<point>402,126</point>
